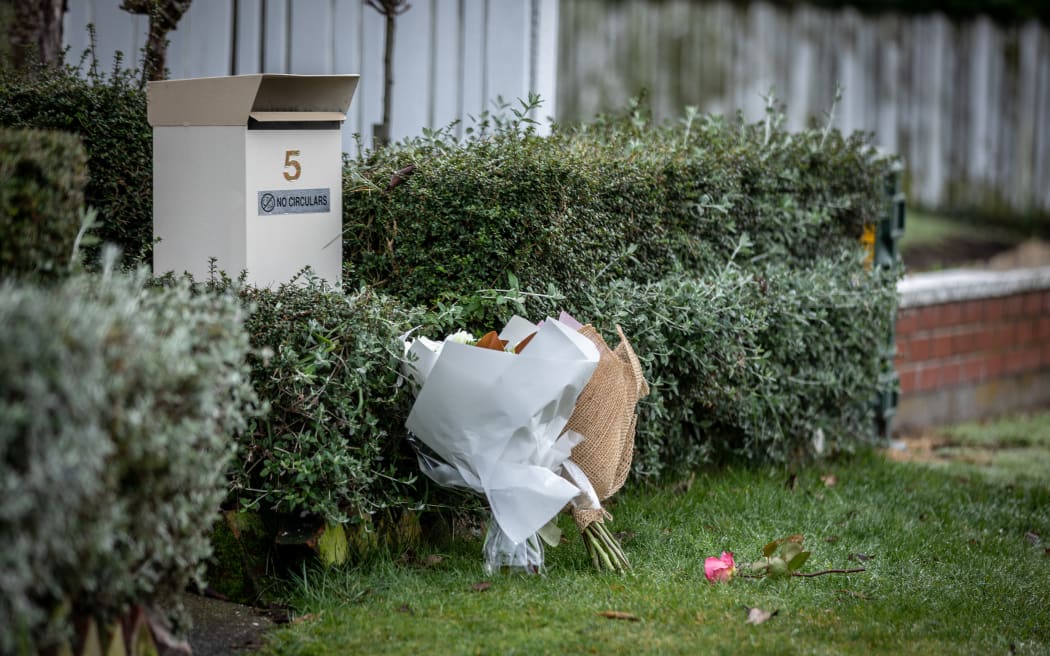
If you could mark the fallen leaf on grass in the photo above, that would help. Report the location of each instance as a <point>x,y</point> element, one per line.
<point>432,560</point>
<point>481,586</point>
<point>619,615</point>
<point>829,480</point>
<point>309,617</point>
<point>757,615</point>
<point>771,548</point>
<point>1032,537</point>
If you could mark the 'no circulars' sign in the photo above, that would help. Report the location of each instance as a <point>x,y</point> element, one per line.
<point>297,201</point>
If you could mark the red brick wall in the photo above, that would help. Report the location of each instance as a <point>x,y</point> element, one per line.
<point>972,342</point>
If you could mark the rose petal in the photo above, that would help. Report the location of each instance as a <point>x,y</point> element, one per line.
<point>714,569</point>
<point>727,558</point>
<point>721,568</point>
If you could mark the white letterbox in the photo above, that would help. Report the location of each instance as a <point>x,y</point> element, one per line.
<point>247,170</point>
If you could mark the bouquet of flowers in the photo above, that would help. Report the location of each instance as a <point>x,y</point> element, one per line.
<point>495,417</point>
<point>502,415</point>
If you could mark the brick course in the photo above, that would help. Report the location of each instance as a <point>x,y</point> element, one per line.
<point>972,341</point>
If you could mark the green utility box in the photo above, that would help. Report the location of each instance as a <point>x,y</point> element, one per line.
<point>883,240</point>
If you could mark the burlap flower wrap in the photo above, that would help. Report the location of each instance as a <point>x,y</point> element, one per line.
<point>606,415</point>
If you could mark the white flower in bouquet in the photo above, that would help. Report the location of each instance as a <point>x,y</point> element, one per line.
<point>461,337</point>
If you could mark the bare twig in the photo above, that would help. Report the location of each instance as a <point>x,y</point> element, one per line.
<point>829,571</point>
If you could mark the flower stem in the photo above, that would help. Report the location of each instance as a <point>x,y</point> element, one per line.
<point>604,549</point>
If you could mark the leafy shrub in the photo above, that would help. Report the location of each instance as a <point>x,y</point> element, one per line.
<point>116,411</point>
<point>108,112</point>
<point>766,363</point>
<point>728,250</point>
<point>617,198</point>
<point>42,176</point>
<point>327,364</point>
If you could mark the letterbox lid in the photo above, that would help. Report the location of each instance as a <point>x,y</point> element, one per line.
<point>232,100</point>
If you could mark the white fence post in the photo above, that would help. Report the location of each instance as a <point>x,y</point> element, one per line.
<point>451,57</point>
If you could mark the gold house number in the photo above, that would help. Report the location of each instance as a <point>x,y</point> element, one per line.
<point>293,164</point>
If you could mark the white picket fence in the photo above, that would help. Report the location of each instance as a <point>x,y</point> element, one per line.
<point>966,102</point>
<point>451,58</point>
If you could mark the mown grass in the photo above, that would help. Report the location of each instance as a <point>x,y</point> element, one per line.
<point>925,229</point>
<point>1029,430</point>
<point>1011,450</point>
<point>954,565</point>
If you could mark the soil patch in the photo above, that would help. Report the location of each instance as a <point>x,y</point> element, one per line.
<point>221,627</point>
<point>936,448</point>
<point>954,252</point>
<point>1031,253</point>
<point>998,255</point>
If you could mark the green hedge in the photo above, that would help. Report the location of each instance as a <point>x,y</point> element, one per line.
<point>618,198</point>
<point>768,363</point>
<point>773,363</point>
<point>728,250</point>
<point>326,362</point>
<point>42,176</point>
<point>108,113</point>
<point>117,406</point>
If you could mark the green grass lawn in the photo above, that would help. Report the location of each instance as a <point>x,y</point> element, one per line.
<point>956,563</point>
<point>930,229</point>
<point>1011,450</point>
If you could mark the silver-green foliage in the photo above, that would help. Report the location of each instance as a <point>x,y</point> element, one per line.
<point>326,361</point>
<point>755,361</point>
<point>117,407</point>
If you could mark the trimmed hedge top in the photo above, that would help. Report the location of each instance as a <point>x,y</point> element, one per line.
<point>108,113</point>
<point>619,198</point>
<point>42,176</point>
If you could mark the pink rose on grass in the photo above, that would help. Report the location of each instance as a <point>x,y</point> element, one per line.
<point>720,569</point>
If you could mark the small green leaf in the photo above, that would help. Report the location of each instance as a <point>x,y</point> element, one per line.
<point>798,561</point>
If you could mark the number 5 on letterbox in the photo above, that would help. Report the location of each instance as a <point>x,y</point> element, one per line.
<point>248,170</point>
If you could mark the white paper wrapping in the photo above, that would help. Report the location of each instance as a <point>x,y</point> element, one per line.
<point>495,419</point>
